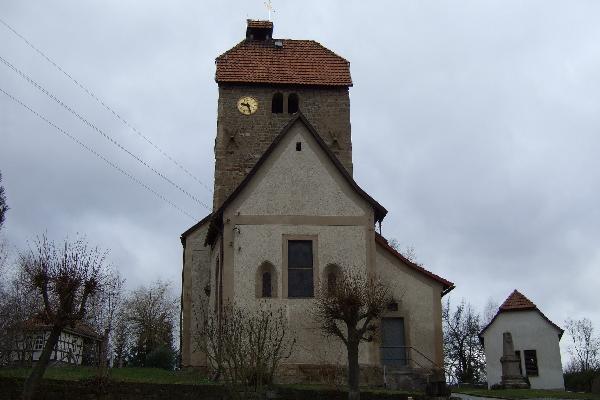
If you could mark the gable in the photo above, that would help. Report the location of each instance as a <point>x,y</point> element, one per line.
<point>216,221</point>
<point>298,178</point>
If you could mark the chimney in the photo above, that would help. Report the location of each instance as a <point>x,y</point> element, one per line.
<point>259,30</point>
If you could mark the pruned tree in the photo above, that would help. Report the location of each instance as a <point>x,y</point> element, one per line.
<point>349,309</point>
<point>65,276</point>
<point>245,345</point>
<point>585,345</point>
<point>464,353</point>
<point>150,313</point>
<point>3,204</point>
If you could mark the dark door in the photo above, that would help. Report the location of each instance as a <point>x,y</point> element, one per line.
<point>393,350</point>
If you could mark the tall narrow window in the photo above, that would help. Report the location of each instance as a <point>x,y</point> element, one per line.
<point>331,273</point>
<point>331,282</point>
<point>300,268</point>
<point>292,103</point>
<point>277,103</point>
<point>266,284</point>
<point>531,364</point>
<point>266,280</point>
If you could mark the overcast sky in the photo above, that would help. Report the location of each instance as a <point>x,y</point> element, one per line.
<point>475,123</point>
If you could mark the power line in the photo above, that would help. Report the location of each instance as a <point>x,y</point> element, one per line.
<point>107,161</point>
<point>100,131</point>
<point>106,106</point>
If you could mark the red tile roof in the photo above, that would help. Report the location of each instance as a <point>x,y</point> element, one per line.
<point>447,285</point>
<point>517,301</point>
<point>259,24</point>
<point>296,62</point>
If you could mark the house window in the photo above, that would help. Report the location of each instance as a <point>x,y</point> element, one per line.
<point>300,268</point>
<point>266,281</point>
<point>531,364</point>
<point>292,103</point>
<point>39,342</point>
<point>277,103</point>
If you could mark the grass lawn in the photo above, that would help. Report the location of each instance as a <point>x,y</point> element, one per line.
<point>526,394</point>
<point>161,376</point>
<point>147,375</point>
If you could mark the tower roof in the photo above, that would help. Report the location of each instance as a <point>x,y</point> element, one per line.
<point>260,59</point>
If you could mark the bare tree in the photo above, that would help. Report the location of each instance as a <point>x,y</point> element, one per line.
<point>150,313</point>
<point>585,347</point>
<point>3,205</point>
<point>18,303</point>
<point>103,308</point>
<point>409,252</point>
<point>464,354</point>
<point>245,345</point>
<point>65,277</point>
<point>349,309</point>
<point>489,311</point>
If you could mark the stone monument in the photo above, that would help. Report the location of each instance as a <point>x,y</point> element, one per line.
<point>511,373</point>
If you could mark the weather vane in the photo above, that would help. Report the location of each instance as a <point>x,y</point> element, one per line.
<point>269,8</point>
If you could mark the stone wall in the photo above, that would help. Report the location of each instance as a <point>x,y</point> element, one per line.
<point>10,389</point>
<point>242,139</point>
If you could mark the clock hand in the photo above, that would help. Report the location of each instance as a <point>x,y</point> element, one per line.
<point>247,105</point>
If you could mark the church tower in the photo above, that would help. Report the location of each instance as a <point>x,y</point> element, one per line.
<point>262,82</point>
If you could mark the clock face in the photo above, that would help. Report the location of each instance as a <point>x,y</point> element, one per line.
<point>247,105</point>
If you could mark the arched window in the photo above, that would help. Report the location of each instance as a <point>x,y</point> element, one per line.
<point>292,103</point>
<point>332,273</point>
<point>266,280</point>
<point>331,282</point>
<point>277,103</point>
<point>267,285</point>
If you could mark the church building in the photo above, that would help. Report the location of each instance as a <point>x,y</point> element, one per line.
<point>288,215</point>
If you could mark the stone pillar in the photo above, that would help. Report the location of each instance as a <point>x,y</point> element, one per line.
<point>511,375</point>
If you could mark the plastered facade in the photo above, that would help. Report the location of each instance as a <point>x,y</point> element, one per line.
<point>300,194</point>
<point>530,331</point>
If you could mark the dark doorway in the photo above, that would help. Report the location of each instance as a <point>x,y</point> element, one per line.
<point>393,343</point>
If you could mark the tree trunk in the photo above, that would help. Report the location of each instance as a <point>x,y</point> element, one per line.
<point>103,362</point>
<point>353,370</point>
<point>38,370</point>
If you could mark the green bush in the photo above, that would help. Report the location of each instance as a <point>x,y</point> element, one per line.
<point>580,381</point>
<point>161,357</point>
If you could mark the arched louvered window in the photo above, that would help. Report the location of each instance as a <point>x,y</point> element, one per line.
<point>277,103</point>
<point>293,103</point>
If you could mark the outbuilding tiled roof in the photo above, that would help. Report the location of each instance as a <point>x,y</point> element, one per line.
<point>282,61</point>
<point>517,301</point>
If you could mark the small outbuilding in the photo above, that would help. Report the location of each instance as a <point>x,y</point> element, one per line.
<point>536,343</point>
